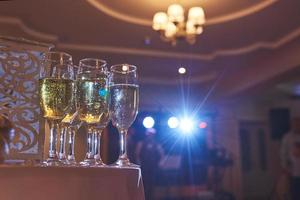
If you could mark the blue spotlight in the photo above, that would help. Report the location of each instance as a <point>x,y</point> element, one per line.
<point>186,125</point>
<point>148,122</point>
<point>173,122</point>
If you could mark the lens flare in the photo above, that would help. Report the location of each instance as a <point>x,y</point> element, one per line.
<point>202,125</point>
<point>173,122</point>
<point>148,122</point>
<point>186,125</point>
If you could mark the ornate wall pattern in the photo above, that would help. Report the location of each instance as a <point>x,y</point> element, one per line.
<point>19,71</point>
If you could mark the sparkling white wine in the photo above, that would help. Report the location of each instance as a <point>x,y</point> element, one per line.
<point>92,100</point>
<point>124,100</point>
<point>71,117</point>
<point>55,97</point>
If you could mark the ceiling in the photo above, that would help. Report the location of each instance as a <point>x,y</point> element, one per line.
<point>245,44</point>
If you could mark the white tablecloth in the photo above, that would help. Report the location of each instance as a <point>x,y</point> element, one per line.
<point>37,183</point>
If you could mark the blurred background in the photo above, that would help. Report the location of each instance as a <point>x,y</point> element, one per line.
<point>214,107</point>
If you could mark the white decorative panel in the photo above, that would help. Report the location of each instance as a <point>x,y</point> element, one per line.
<point>19,71</point>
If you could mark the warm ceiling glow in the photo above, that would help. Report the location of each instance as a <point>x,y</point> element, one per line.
<point>171,25</point>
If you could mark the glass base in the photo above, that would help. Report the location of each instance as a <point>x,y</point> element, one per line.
<point>124,163</point>
<point>71,163</point>
<point>99,163</point>
<point>88,162</point>
<point>52,162</point>
<point>63,161</point>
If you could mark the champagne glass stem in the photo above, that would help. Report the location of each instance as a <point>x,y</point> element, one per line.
<point>123,146</point>
<point>98,159</point>
<point>71,145</point>
<point>89,157</point>
<point>123,160</point>
<point>90,145</point>
<point>62,144</point>
<point>97,145</point>
<point>95,142</point>
<point>52,140</point>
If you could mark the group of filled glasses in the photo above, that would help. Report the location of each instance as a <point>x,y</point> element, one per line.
<point>90,94</point>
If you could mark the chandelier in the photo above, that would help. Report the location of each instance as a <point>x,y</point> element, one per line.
<point>172,26</point>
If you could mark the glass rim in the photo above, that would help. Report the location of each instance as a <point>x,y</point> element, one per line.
<point>102,62</point>
<point>69,58</point>
<point>131,68</point>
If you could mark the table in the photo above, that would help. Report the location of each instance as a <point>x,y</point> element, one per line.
<point>66,183</point>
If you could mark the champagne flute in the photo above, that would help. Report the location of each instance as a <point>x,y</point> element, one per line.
<point>71,127</point>
<point>124,101</point>
<point>99,130</point>
<point>55,90</point>
<point>71,123</point>
<point>92,101</point>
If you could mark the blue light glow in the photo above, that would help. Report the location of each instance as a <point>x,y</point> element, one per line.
<point>148,122</point>
<point>186,125</point>
<point>173,122</point>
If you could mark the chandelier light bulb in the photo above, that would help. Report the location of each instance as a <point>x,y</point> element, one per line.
<point>171,30</point>
<point>160,21</point>
<point>199,30</point>
<point>190,28</point>
<point>196,15</point>
<point>176,13</point>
